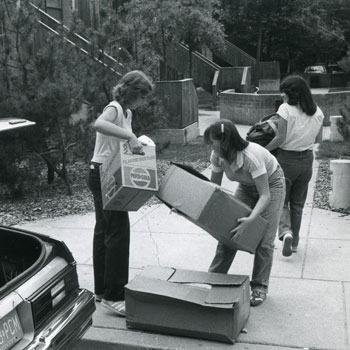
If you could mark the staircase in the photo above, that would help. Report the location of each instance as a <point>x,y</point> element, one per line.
<point>207,74</point>
<point>242,72</point>
<point>54,26</point>
<point>234,56</point>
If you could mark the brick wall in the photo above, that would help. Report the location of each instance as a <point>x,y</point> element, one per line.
<point>248,109</point>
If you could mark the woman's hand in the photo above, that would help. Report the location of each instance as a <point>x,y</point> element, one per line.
<point>243,223</point>
<point>135,145</point>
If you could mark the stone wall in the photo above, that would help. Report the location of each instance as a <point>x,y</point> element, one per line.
<point>248,109</point>
<point>331,103</point>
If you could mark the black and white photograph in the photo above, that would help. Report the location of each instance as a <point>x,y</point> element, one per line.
<point>174,174</point>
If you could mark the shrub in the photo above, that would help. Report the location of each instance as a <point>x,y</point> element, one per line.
<point>343,124</point>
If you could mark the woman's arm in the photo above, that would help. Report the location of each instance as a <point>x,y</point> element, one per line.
<point>262,185</point>
<point>280,136</point>
<point>319,135</point>
<point>104,124</point>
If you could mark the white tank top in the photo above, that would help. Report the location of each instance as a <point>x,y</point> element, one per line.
<point>106,144</point>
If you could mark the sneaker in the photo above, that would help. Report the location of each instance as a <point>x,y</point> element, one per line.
<point>287,244</point>
<point>98,297</point>
<point>294,248</point>
<point>118,307</point>
<point>257,297</point>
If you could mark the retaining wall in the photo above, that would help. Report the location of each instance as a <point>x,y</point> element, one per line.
<point>247,109</point>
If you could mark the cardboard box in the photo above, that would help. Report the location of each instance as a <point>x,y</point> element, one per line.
<point>196,304</point>
<point>210,207</point>
<point>128,180</point>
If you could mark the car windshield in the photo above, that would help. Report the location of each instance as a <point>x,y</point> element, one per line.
<point>315,69</point>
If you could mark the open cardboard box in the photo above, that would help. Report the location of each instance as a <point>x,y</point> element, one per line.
<point>128,180</point>
<point>196,304</point>
<point>209,206</point>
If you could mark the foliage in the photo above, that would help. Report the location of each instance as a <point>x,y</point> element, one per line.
<point>198,24</point>
<point>149,117</point>
<point>43,201</point>
<point>155,24</point>
<point>296,33</point>
<point>343,124</point>
<point>15,165</point>
<point>333,150</point>
<point>47,79</point>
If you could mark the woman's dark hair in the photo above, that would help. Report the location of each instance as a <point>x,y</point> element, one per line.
<point>226,132</point>
<point>298,92</point>
<point>131,85</point>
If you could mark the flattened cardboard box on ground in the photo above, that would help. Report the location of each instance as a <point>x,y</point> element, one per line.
<point>210,207</point>
<point>196,304</point>
<point>128,180</point>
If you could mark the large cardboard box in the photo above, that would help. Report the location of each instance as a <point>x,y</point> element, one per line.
<point>128,180</point>
<point>189,303</point>
<point>210,207</point>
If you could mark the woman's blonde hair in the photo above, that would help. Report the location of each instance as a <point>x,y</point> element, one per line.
<point>131,85</point>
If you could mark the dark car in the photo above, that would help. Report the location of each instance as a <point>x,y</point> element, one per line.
<point>334,69</point>
<point>41,304</point>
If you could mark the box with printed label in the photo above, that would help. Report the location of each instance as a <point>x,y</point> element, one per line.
<point>128,180</point>
<point>189,303</point>
<point>209,206</point>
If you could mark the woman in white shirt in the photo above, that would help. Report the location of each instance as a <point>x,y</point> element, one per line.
<point>261,186</point>
<point>112,228</point>
<point>299,127</point>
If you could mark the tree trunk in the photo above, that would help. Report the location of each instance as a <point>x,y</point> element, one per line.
<point>258,49</point>
<point>190,62</point>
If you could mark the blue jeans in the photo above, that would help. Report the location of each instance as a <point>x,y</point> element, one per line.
<point>264,252</point>
<point>297,168</point>
<point>110,245</point>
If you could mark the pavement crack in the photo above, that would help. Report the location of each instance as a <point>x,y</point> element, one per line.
<point>153,240</point>
<point>345,316</point>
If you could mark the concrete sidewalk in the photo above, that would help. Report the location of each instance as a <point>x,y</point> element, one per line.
<point>308,304</point>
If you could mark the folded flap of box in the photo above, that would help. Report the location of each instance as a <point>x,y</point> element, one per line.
<point>214,279</point>
<point>160,273</point>
<point>182,292</point>
<point>191,170</point>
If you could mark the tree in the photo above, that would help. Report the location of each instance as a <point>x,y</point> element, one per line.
<point>296,33</point>
<point>46,80</point>
<point>198,24</point>
<point>155,24</point>
<point>155,21</point>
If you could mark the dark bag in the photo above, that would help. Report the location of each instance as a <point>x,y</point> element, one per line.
<point>263,131</point>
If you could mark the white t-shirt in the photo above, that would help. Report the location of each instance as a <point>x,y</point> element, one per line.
<point>249,164</point>
<point>302,129</point>
<point>105,144</point>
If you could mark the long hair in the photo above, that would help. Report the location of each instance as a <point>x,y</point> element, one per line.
<point>298,92</point>
<point>225,132</point>
<point>131,85</point>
